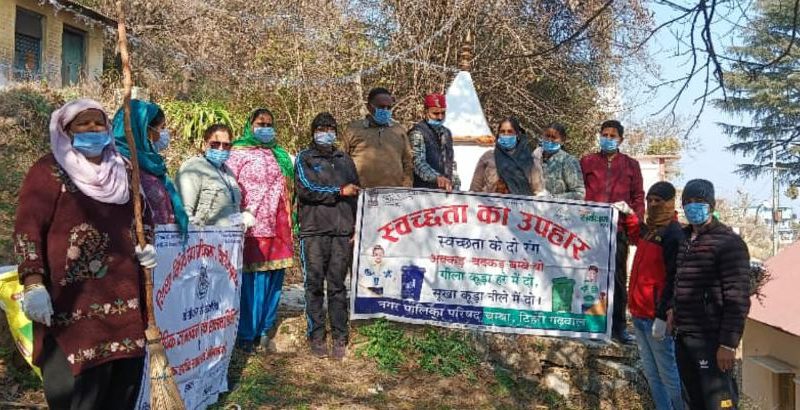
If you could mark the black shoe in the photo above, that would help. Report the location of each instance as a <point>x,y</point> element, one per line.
<point>623,337</point>
<point>319,348</point>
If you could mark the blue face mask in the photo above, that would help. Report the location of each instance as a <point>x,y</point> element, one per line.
<point>264,134</point>
<point>697,213</point>
<point>382,116</point>
<point>163,140</point>
<point>507,141</point>
<point>325,139</point>
<point>91,144</point>
<point>217,156</point>
<point>608,144</point>
<point>550,146</point>
<point>435,123</point>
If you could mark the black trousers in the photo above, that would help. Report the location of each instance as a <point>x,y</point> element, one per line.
<point>111,385</point>
<point>619,322</point>
<point>706,386</point>
<point>326,258</point>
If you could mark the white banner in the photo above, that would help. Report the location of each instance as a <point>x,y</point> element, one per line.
<point>495,262</point>
<point>196,290</point>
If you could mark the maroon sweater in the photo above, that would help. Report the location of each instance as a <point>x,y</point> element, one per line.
<point>619,179</point>
<point>84,249</point>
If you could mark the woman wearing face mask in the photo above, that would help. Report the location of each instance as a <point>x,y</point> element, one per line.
<point>562,172</point>
<point>511,167</point>
<point>207,187</point>
<point>327,190</point>
<point>265,172</point>
<point>151,137</point>
<point>79,265</point>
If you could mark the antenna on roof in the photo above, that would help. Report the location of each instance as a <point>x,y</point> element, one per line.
<point>465,56</point>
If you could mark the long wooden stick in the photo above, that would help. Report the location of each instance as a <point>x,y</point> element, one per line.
<point>164,392</point>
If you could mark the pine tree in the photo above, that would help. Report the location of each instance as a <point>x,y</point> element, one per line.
<point>764,85</point>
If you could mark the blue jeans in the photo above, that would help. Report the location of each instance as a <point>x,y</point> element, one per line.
<point>660,366</point>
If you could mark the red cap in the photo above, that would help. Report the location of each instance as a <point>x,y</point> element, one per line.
<point>435,101</point>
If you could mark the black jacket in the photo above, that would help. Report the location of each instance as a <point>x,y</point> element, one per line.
<point>712,284</point>
<point>319,176</point>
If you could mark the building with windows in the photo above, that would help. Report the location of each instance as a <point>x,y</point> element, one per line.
<point>771,341</point>
<point>786,220</point>
<point>58,42</point>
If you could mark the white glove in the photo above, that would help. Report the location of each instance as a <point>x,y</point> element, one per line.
<point>248,220</point>
<point>147,256</point>
<point>659,329</point>
<point>543,194</point>
<point>622,207</point>
<point>36,304</point>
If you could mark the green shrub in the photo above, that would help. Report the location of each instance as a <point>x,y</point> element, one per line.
<point>24,122</point>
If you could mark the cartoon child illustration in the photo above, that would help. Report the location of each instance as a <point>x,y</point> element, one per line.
<point>375,276</point>
<point>590,290</point>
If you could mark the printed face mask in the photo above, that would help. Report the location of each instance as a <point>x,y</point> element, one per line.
<point>697,213</point>
<point>325,138</point>
<point>264,134</point>
<point>91,144</point>
<point>217,156</point>
<point>507,141</point>
<point>608,144</point>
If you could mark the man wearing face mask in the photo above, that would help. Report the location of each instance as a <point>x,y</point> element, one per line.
<point>712,300</point>
<point>611,176</point>
<point>327,190</point>
<point>432,148</point>
<point>378,144</point>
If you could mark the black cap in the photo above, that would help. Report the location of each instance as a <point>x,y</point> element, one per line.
<point>699,188</point>
<point>663,190</point>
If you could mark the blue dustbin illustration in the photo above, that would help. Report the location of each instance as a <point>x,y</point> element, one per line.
<point>411,282</point>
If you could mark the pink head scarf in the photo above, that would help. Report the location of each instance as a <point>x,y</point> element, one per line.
<point>106,182</point>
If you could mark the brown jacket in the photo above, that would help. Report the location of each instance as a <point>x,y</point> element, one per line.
<point>486,177</point>
<point>382,154</point>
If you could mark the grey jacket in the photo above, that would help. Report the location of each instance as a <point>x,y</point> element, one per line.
<point>210,194</point>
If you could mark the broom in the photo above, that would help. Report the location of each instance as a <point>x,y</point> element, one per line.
<point>164,393</point>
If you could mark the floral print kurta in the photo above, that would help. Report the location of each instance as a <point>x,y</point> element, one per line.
<point>84,249</point>
<point>267,245</point>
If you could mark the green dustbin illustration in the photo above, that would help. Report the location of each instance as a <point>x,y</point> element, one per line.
<point>563,289</point>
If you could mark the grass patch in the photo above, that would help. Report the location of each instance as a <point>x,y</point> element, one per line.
<point>384,343</point>
<point>441,352</point>
<point>446,353</point>
<point>24,377</point>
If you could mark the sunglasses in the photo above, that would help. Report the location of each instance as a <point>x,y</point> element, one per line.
<point>216,145</point>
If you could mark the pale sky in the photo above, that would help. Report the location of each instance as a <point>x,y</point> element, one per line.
<point>707,157</point>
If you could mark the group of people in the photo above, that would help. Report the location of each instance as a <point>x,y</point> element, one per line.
<point>82,270</point>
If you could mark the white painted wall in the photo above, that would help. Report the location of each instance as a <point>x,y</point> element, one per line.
<point>466,157</point>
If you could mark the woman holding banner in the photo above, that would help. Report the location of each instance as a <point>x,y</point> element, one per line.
<point>511,167</point>
<point>207,186</point>
<point>151,136</point>
<point>265,173</point>
<point>79,265</point>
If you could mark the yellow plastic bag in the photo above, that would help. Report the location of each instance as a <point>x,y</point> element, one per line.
<point>21,327</point>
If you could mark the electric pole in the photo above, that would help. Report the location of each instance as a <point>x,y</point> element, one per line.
<point>775,197</point>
